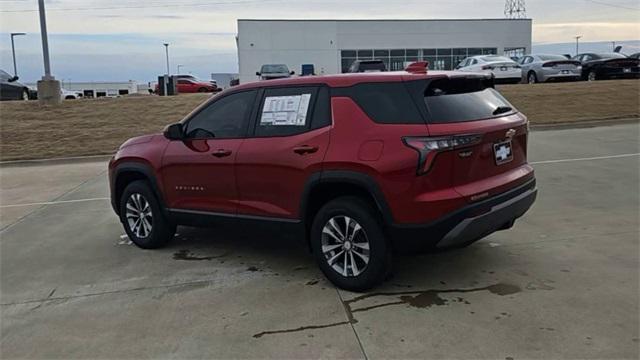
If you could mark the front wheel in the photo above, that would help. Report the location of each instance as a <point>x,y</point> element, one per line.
<point>532,78</point>
<point>142,217</point>
<point>349,245</point>
<point>592,76</point>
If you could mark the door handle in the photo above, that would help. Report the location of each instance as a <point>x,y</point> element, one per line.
<point>305,149</point>
<point>221,153</point>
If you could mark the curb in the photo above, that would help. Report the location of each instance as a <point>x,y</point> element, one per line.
<point>584,124</point>
<point>55,161</point>
<point>541,127</point>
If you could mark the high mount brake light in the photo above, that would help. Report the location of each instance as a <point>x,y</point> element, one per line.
<point>429,147</point>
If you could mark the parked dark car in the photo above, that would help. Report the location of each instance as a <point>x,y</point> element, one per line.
<point>608,66</point>
<point>11,89</point>
<point>359,66</point>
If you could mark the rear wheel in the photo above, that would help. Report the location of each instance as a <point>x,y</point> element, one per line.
<point>592,76</point>
<point>202,90</point>
<point>349,245</point>
<point>532,78</point>
<point>25,94</point>
<point>142,217</point>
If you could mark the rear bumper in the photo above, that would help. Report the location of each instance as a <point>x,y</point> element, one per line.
<point>469,224</point>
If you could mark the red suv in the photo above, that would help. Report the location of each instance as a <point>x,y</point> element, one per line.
<point>360,164</point>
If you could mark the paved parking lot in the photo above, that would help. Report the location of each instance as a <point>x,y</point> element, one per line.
<point>563,283</point>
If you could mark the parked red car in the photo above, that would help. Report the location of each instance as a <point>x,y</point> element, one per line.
<point>193,86</point>
<point>359,164</point>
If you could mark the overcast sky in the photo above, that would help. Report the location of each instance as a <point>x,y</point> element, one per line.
<point>122,39</point>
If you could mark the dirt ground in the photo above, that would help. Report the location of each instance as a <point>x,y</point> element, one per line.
<point>99,126</point>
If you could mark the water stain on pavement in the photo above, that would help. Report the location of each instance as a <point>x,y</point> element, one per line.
<point>414,298</point>
<point>188,255</point>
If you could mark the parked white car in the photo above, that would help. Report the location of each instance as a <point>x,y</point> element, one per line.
<point>70,95</point>
<point>505,70</point>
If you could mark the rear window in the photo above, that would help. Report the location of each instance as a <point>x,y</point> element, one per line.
<point>611,56</point>
<point>371,65</point>
<point>552,57</point>
<point>459,100</point>
<point>495,58</point>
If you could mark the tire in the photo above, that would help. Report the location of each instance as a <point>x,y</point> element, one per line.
<point>592,76</point>
<point>202,90</point>
<point>25,95</point>
<point>372,265</point>
<point>156,230</point>
<point>532,78</point>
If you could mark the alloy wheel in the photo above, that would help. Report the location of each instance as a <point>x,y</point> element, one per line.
<point>139,215</point>
<point>532,78</point>
<point>345,246</point>
<point>25,95</point>
<point>592,76</point>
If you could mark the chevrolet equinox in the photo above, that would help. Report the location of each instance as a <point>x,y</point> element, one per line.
<point>360,165</point>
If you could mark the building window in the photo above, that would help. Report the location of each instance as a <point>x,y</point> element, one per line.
<point>397,59</point>
<point>514,52</point>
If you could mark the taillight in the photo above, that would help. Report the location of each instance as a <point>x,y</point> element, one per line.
<point>429,147</point>
<point>548,65</point>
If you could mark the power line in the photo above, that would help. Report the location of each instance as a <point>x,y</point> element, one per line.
<point>613,5</point>
<point>146,6</point>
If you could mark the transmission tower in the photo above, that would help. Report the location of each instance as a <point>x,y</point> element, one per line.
<point>515,9</point>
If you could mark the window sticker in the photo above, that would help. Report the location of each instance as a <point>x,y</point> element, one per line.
<point>285,110</point>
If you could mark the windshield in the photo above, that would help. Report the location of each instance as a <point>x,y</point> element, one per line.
<point>464,99</point>
<point>611,56</point>
<point>274,69</point>
<point>552,57</point>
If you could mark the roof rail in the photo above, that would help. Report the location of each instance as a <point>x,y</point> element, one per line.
<point>418,67</point>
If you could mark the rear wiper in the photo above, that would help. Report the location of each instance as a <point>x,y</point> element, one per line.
<point>502,110</point>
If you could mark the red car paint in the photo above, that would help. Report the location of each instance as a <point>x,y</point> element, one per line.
<point>267,176</point>
<point>185,86</point>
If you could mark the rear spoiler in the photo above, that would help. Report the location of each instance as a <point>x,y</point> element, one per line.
<point>418,67</point>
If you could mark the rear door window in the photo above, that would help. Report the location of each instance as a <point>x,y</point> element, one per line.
<point>387,103</point>
<point>464,99</point>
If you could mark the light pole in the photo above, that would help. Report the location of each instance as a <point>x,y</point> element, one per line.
<point>179,66</point>
<point>166,48</point>
<point>13,52</point>
<point>166,77</point>
<point>48,87</point>
<point>578,44</point>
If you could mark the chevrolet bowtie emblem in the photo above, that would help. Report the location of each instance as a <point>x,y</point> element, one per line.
<point>510,133</point>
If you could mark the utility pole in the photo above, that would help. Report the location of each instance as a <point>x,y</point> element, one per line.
<point>613,46</point>
<point>166,77</point>
<point>48,87</point>
<point>13,52</point>
<point>578,44</point>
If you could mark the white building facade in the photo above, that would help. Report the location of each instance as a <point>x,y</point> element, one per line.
<point>332,45</point>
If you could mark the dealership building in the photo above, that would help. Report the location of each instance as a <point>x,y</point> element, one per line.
<point>332,45</point>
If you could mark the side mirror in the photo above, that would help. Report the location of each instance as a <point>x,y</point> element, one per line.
<point>15,78</point>
<point>174,132</point>
<point>292,72</point>
<point>258,73</point>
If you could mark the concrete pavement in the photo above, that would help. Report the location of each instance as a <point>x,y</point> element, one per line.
<point>563,283</point>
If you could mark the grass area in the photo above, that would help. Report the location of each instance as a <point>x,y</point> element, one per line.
<point>99,126</point>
